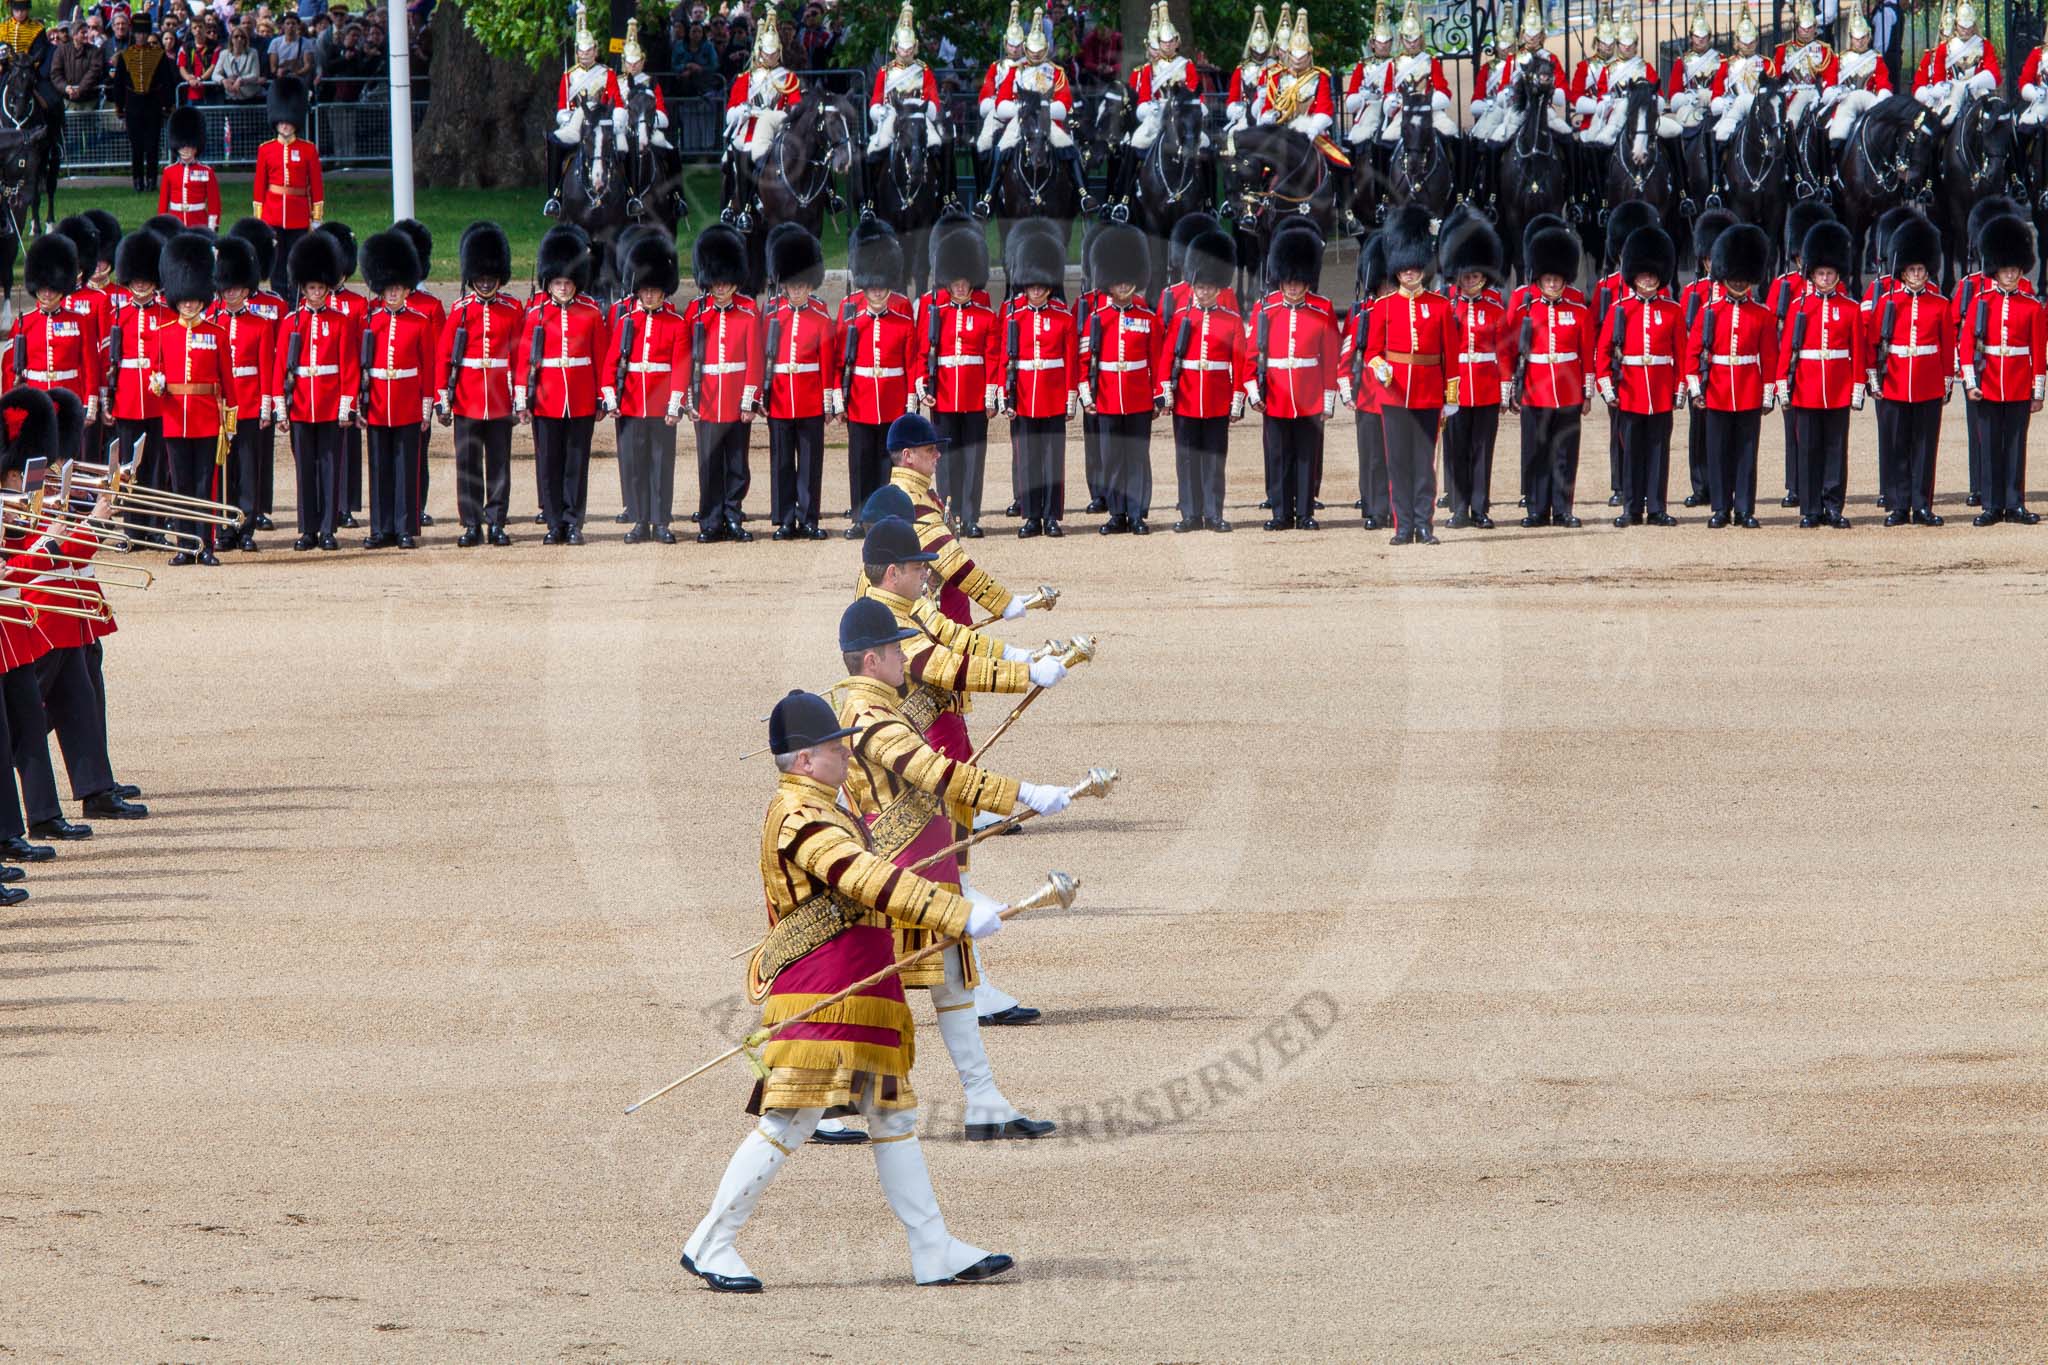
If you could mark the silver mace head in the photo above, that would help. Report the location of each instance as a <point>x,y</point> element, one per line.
<point>1079,650</point>
<point>1044,599</point>
<point>1058,890</point>
<point>1097,783</point>
<point>1051,649</point>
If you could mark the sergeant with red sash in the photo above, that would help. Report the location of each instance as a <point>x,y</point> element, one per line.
<point>398,386</point>
<point>288,193</point>
<point>1821,371</point>
<point>189,191</point>
<point>251,342</point>
<point>317,386</point>
<point>1637,365</point>
<point>1202,372</point>
<point>957,329</point>
<point>799,381</point>
<point>641,371</point>
<point>723,344</point>
<point>1911,335</point>
<point>1294,375</point>
<point>1472,261</point>
<point>555,383</point>
<point>1040,364</point>
<point>474,365</point>
<point>2004,358</point>
<point>1547,353</point>
<point>1731,353</point>
<point>878,361</point>
<point>1120,346</point>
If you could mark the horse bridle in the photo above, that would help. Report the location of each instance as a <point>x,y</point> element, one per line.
<point>1184,157</point>
<point>1901,164</point>
<point>899,159</point>
<point>815,162</point>
<point>1975,158</point>
<point>1416,110</point>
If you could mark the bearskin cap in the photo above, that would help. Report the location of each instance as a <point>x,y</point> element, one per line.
<point>2005,243</point>
<point>1827,246</point>
<point>1119,255</point>
<point>109,229</point>
<point>28,427</point>
<point>1471,245</point>
<point>1623,222</point>
<point>485,253</point>
<point>1211,259</point>
<point>136,258</point>
<point>422,239</point>
<point>164,226</point>
<point>1983,211</point>
<point>1036,258</point>
<point>1741,254</point>
<point>1707,230</point>
<point>959,253</point>
<point>1185,229</point>
<point>1372,268</point>
<point>1542,222</point>
<point>262,239</point>
<point>78,230</point>
<point>345,238</point>
<point>1022,232</point>
<point>719,256</point>
<point>874,256</point>
<point>234,265</point>
<point>1649,251</point>
<point>186,127</point>
<point>287,102</point>
<point>651,264</point>
<point>564,255</point>
<point>1408,241</point>
<point>1799,220</point>
<point>388,259</point>
<point>1915,243</point>
<point>1554,251</point>
<point>1295,257</point>
<point>70,410</point>
<point>314,259</point>
<point>51,263</point>
<point>187,269</point>
<point>794,256</point>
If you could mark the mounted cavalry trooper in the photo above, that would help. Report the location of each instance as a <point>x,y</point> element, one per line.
<point>1610,93</point>
<point>633,66</point>
<point>1495,119</point>
<point>1861,80</point>
<point>1735,84</point>
<point>992,124</point>
<point>754,113</point>
<point>1297,95</point>
<point>905,83</point>
<point>585,89</point>
<point>1365,90</point>
<point>1807,65</point>
<point>1038,75</point>
<point>1690,82</point>
<point>1586,75</point>
<point>2033,91</point>
<point>1415,66</point>
<point>1966,63</point>
<point>1150,85</point>
<point>1251,70</point>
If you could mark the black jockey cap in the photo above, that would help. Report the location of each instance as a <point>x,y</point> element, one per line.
<point>885,502</point>
<point>803,720</point>
<point>891,541</point>
<point>867,624</point>
<point>911,431</point>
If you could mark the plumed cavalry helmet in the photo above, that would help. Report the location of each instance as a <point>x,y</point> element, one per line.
<point>2005,244</point>
<point>1295,257</point>
<point>1382,35</point>
<point>485,253</point>
<point>1299,48</point>
<point>1828,246</point>
<point>767,46</point>
<point>1966,19</point>
<point>1013,36</point>
<point>1859,29</point>
<point>719,257</point>
<point>1649,251</point>
<point>1211,259</point>
<point>1915,243</point>
<point>1741,255</point>
<point>1746,33</point>
<point>630,51</point>
<point>1412,31</point>
<point>1282,32</point>
<point>52,264</point>
<point>1259,41</point>
<point>1603,31</point>
<point>905,37</point>
<point>1702,25</point>
<point>390,261</point>
<point>235,265</point>
<point>1624,221</point>
<point>586,41</point>
<point>1167,32</point>
<point>1804,20</point>
<point>1120,256</point>
<point>651,264</point>
<point>1035,46</point>
<point>1554,251</point>
<point>1468,245</point>
<point>187,269</point>
<point>794,256</point>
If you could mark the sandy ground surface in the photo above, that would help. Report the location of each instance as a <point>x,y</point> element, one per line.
<point>1553,944</point>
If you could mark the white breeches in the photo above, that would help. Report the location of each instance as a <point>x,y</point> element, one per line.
<point>1367,124</point>
<point>1150,121</point>
<point>1390,122</point>
<point>1311,125</point>
<point>1847,108</point>
<point>2034,106</point>
<point>767,123</point>
<point>884,116</point>
<point>1015,131</point>
<point>1499,123</point>
<point>1732,115</point>
<point>1802,104</point>
<point>986,137</point>
<point>1689,107</point>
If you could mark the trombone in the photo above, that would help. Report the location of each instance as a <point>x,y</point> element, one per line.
<point>84,478</point>
<point>116,533</point>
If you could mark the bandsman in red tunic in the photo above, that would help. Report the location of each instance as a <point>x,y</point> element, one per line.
<point>1547,352</point>
<point>1637,368</point>
<point>1413,347</point>
<point>1040,367</point>
<point>1294,375</point>
<point>398,386</point>
<point>53,346</point>
<point>317,384</point>
<point>1731,356</point>
<point>879,361</point>
<point>2004,358</point>
<point>1204,364</point>
<point>723,345</point>
<point>288,193</point>
<point>251,341</point>
<point>641,374</point>
<point>189,373</point>
<point>1474,264</point>
<point>957,329</point>
<point>1120,348</point>
<point>1821,369</point>
<point>1911,335</point>
<point>190,190</point>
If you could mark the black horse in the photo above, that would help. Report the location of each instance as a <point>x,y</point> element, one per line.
<point>1172,172</point>
<point>1422,169</point>
<point>1033,183</point>
<point>30,105</point>
<point>1534,176</point>
<point>908,186</point>
<point>594,190</point>
<point>795,179</point>
<point>1275,175</point>
<point>1636,166</point>
<point>1979,158</point>
<point>1755,164</point>
<point>654,182</point>
<point>1888,158</point>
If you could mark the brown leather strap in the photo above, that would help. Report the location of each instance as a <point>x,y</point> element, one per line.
<point>1410,358</point>
<point>192,390</point>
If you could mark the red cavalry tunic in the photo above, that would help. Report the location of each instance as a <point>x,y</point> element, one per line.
<point>722,355</point>
<point>2005,346</point>
<point>878,363</point>
<point>1040,353</point>
<point>1640,353</point>
<point>489,329</point>
<point>330,369</point>
<point>190,192</point>
<point>801,359</point>
<point>401,367</point>
<point>558,358</point>
<point>1822,361</point>
<point>1912,335</point>
<point>649,344</point>
<point>1121,349</point>
<point>288,192</point>
<point>1205,360</point>
<point>1731,350</point>
<point>190,362</point>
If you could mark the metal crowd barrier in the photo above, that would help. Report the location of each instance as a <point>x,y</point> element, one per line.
<point>350,136</point>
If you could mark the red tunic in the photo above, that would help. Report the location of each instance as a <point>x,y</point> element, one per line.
<point>1294,354</point>
<point>558,356</point>
<point>401,352</point>
<point>1040,356</point>
<point>330,366</point>
<point>1556,370</point>
<point>288,192</point>
<point>489,329</point>
<point>252,352</point>
<point>802,359</point>
<point>1731,350</point>
<point>1640,353</point>
<point>1482,320</point>
<point>1204,360</point>
<point>721,354</point>
<point>650,355</point>
<point>878,362</point>
<point>192,362</point>
<point>133,327</point>
<point>59,631</point>
<point>190,192</point>
<point>1911,337</point>
<point>959,362</point>
<point>56,350</point>
<point>2004,347</point>
<point>1822,359</point>
<point>1418,338</point>
<point>1121,349</point>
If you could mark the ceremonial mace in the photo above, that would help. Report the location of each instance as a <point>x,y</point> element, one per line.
<point>1044,598</point>
<point>1058,890</point>
<point>1079,650</point>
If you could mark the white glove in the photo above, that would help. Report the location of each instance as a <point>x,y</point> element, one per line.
<point>1046,800</point>
<point>734,117</point>
<point>1344,391</point>
<point>1607,391</point>
<point>984,916</point>
<point>835,402</point>
<point>1583,105</point>
<point>1085,395</point>
<point>1870,382</point>
<point>1770,398</point>
<point>1719,104</point>
<point>1329,403</point>
<point>1692,386</point>
<point>610,397</point>
<point>1450,410</point>
<point>1481,107</point>
<point>1047,672</point>
<point>747,395</point>
<point>519,398</point>
<point>1856,397</point>
<point>426,411</point>
<point>2030,92</point>
<point>1013,655</point>
<point>1014,608</point>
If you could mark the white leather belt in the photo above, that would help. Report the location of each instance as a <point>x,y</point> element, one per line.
<point>1288,362</point>
<point>565,362</point>
<point>134,363</point>
<point>1123,366</point>
<point>1737,359</point>
<point>305,370</point>
<point>1914,350</point>
<point>647,367</point>
<point>726,367</point>
<point>2006,350</point>
<point>1041,364</point>
<point>486,363</point>
<point>1206,365</point>
<point>394,374</point>
<point>954,362</point>
<point>878,372</point>
<point>1823,355</point>
<point>798,367</point>
<point>1647,360</point>
<point>188,208</point>
<point>1552,357</point>
<point>244,372</point>
<point>1477,358</point>
<point>50,376</point>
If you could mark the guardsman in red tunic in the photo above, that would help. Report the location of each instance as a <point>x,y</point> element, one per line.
<point>317,384</point>
<point>722,343</point>
<point>962,383</point>
<point>1731,354</point>
<point>1413,347</point>
<point>398,385</point>
<point>188,372</point>
<point>1294,376</point>
<point>424,302</point>
<point>189,191</point>
<point>1474,264</point>
<point>1786,290</point>
<point>270,306</point>
<point>251,341</point>
<point>55,347</point>
<point>1910,336</point>
<point>878,363</point>
<point>1966,290</point>
<point>1359,388</point>
<point>1609,290</point>
<point>555,383</point>
<point>1704,289</point>
<point>1820,373</point>
<point>1204,362</point>
<point>2004,354</point>
<point>288,192</point>
<point>1636,367</point>
<point>642,380</point>
<point>1523,294</point>
<point>1120,346</point>
<point>89,303</point>
<point>138,416</point>
<point>473,365</point>
<point>1040,364</point>
<point>355,306</point>
<point>799,382</point>
<point>1548,352</point>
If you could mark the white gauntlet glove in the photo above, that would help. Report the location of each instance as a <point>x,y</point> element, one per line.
<point>1047,672</point>
<point>1046,800</point>
<point>1014,608</point>
<point>1014,655</point>
<point>1856,397</point>
<point>1344,391</point>
<point>1329,403</point>
<point>984,918</point>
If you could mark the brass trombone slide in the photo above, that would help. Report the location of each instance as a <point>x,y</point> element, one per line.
<point>86,477</point>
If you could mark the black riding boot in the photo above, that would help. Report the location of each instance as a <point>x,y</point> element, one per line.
<point>556,156</point>
<point>1071,158</point>
<point>996,163</point>
<point>743,196</point>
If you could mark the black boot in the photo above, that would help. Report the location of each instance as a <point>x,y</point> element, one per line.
<point>995,177</point>
<point>1072,160</point>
